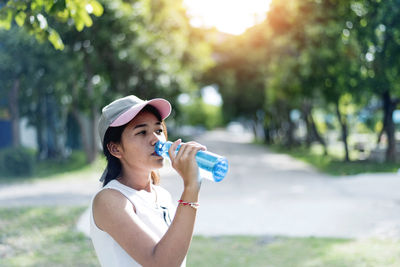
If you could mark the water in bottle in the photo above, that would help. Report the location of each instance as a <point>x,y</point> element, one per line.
<point>211,166</point>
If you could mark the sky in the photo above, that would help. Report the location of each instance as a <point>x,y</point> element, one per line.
<point>229,16</point>
<point>209,94</point>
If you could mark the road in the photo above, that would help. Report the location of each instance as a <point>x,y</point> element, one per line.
<point>264,193</point>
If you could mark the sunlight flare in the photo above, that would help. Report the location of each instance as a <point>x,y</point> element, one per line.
<point>229,16</point>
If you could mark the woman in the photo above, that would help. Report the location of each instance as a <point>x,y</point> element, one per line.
<point>131,216</point>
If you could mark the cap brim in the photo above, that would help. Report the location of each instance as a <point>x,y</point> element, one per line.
<point>162,105</point>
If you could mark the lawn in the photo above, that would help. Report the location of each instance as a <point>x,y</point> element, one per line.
<point>75,167</point>
<point>46,236</point>
<point>333,163</point>
<point>43,236</point>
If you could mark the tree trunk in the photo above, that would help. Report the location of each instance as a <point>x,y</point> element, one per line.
<point>305,114</point>
<point>254,129</point>
<point>378,140</point>
<point>40,125</point>
<point>267,134</point>
<point>343,126</point>
<point>84,135</point>
<point>388,108</point>
<point>93,134</point>
<point>41,153</point>
<point>14,112</point>
<point>290,130</point>
<point>318,137</point>
<point>93,117</point>
<point>312,130</point>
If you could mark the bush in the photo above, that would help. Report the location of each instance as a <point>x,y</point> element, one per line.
<point>199,113</point>
<point>16,161</point>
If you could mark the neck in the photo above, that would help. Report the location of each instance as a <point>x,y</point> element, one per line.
<point>135,180</point>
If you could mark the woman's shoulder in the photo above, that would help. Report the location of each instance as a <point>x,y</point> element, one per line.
<point>109,206</point>
<point>109,197</point>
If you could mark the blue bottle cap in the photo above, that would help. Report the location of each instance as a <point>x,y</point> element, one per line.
<point>220,169</point>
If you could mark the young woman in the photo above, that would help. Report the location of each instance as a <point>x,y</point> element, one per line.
<point>133,220</point>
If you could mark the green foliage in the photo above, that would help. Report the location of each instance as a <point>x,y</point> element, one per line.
<point>307,55</point>
<point>199,113</point>
<point>36,16</point>
<point>239,76</point>
<point>16,161</point>
<point>146,48</point>
<point>329,55</point>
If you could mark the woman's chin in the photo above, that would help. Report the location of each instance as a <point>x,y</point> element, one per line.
<point>159,164</point>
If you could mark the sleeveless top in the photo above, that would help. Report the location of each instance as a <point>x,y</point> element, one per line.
<point>155,215</point>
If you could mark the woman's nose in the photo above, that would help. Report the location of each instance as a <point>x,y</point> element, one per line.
<point>155,138</point>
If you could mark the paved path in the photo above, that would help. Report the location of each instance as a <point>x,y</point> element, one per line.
<point>264,194</point>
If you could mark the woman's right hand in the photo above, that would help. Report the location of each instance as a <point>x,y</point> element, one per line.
<point>185,164</point>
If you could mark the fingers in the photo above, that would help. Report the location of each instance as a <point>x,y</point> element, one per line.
<point>186,151</point>
<point>189,150</point>
<point>202,147</point>
<point>184,162</point>
<point>172,149</point>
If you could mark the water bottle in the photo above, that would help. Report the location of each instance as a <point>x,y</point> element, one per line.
<point>211,166</point>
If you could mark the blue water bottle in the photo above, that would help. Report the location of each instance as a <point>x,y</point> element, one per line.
<point>211,166</point>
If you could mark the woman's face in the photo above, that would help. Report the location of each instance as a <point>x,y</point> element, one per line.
<point>138,141</point>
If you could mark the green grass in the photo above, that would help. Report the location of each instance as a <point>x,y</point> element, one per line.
<point>46,236</point>
<point>332,164</point>
<point>43,236</point>
<point>293,252</point>
<point>75,167</point>
<point>76,161</point>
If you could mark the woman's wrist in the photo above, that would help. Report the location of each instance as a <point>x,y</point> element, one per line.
<point>190,193</point>
<point>193,188</point>
<point>193,205</point>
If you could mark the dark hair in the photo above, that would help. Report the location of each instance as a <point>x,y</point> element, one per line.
<point>114,134</point>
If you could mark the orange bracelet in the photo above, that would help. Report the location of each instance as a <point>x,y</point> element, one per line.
<point>194,205</point>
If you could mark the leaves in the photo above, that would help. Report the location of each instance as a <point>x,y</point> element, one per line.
<point>34,15</point>
<point>5,18</point>
<point>55,40</point>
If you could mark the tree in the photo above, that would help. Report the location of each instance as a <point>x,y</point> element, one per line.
<point>37,16</point>
<point>378,27</point>
<point>129,50</point>
<point>238,78</point>
<point>31,75</point>
<point>150,54</point>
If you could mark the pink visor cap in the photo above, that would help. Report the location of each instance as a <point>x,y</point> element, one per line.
<point>123,110</point>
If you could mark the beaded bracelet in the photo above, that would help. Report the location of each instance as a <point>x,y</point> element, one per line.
<point>194,205</point>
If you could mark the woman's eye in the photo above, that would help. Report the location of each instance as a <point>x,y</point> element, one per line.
<point>159,131</point>
<point>142,132</point>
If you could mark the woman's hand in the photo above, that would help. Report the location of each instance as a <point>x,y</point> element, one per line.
<point>185,164</point>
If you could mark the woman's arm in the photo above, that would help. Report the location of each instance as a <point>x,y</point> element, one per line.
<point>116,215</point>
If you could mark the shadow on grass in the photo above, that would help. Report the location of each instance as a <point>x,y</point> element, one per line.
<point>76,161</point>
<point>51,168</point>
<point>332,165</point>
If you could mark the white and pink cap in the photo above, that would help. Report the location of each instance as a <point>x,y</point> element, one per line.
<point>123,110</point>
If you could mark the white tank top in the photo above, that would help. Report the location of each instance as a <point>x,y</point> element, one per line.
<point>156,215</point>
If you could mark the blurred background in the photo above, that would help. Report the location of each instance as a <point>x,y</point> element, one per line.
<point>296,73</point>
<point>314,79</point>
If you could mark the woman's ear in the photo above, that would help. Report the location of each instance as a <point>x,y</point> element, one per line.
<point>114,149</point>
